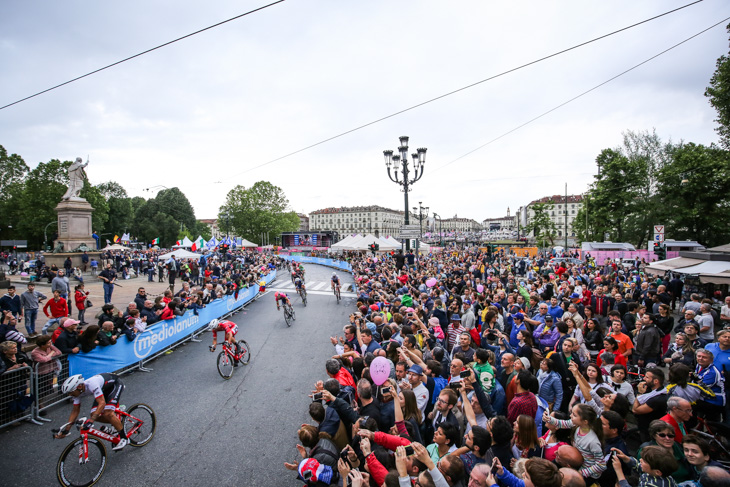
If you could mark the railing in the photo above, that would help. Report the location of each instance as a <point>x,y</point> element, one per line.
<point>16,396</point>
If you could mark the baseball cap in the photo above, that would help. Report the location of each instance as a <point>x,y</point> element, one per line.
<point>575,296</point>
<point>416,369</point>
<point>68,323</point>
<point>455,317</point>
<point>518,316</point>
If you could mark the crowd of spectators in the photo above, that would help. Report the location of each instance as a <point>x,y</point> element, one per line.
<point>512,372</point>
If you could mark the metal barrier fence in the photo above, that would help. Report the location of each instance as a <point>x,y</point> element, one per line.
<point>16,396</point>
<point>47,379</point>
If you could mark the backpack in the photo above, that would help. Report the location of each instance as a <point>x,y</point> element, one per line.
<point>537,357</point>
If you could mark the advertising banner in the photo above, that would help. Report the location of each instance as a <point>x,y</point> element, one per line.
<point>338,264</point>
<point>158,336</point>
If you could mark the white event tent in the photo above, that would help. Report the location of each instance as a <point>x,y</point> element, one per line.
<point>343,244</point>
<point>179,254</point>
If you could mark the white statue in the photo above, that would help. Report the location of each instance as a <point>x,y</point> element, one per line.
<point>76,176</point>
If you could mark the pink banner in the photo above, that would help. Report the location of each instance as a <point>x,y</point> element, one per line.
<point>600,256</point>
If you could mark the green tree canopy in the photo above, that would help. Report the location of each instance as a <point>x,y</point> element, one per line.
<point>541,225</point>
<point>257,210</point>
<point>719,94</point>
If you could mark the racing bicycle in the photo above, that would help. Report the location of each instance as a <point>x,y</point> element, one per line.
<point>337,293</point>
<point>83,461</point>
<point>288,314</point>
<point>303,294</point>
<point>229,357</point>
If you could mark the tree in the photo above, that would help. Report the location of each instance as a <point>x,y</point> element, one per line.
<point>694,189</point>
<point>258,210</point>
<point>541,225</point>
<point>719,94</point>
<point>13,170</point>
<point>174,203</point>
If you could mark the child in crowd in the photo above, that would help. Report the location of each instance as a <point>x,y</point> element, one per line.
<point>654,467</point>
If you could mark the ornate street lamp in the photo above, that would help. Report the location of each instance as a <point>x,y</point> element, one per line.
<point>400,173</point>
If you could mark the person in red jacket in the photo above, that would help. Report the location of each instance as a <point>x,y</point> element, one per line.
<point>80,297</point>
<point>59,309</point>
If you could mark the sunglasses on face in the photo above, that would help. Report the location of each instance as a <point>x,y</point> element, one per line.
<point>665,435</point>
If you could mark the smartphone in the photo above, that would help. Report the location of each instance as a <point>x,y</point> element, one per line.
<point>494,469</point>
<point>409,450</point>
<point>343,456</point>
<point>317,396</point>
<point>386,390</point>
<point>464,374</point>
<point>455,385</point>
<point>419,332</point>
<point>348,482</point>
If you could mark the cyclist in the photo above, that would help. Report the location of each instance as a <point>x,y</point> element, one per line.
<point>106,389</point>
<point>230,329</point>
<point>335,281</point>
<point>283,297</point>
<point>299,285</point>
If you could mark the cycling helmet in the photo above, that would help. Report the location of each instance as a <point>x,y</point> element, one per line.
<point>293,273</point>
<point>276,294</point>
<point>213,324</point>
<point>70,384</point>
<point>334,274</point>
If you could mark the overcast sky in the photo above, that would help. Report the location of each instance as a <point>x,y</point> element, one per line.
<point>200,114</point>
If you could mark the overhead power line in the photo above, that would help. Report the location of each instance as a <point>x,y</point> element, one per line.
<point>141,54</point>
<point>583,94</point>
<point>413,107</point>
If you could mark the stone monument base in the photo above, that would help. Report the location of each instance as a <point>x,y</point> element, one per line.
<point>60,258</point>
<point>74,224</point>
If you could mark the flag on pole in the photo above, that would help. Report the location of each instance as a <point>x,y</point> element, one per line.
<point>116,238</point>
<point>177,243</point>
<point>194,247</point>
<point>199,243</point>
<point>156,241</point>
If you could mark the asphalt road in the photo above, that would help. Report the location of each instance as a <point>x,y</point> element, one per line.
<point>209,431</point>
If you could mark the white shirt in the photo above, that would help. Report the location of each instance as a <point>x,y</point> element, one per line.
<point>421,398</point>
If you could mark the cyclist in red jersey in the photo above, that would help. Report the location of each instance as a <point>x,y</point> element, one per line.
<point>283,297</point>
<point>230,329</point>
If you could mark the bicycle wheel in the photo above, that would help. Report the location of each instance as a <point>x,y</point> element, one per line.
<point>73,473</point>
<point>146,416</point>
<point>245,352</point>
<point>287,317</point>
<point>304,298</point>
<point>225,365</point>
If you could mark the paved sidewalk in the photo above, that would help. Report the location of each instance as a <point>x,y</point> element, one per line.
<point>121,297</point>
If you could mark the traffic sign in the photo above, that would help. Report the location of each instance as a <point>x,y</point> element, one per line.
<point>659,229</point>
<point>659,237</point>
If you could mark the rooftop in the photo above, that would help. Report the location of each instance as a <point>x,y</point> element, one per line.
<point>559,199</point>
<point>351,209</point>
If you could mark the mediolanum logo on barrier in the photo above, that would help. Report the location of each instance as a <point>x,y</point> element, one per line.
<point>149,342</point>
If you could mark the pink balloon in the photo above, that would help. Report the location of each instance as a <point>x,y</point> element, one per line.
<point>380,370</point>
<point>431,282</point>
<point>480,288</point>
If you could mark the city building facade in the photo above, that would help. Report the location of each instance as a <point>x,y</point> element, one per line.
<point>457,224</point>
<point>508,222</point>
<point>303,222</point>
<point>358,219</point>
<point>573,203</point>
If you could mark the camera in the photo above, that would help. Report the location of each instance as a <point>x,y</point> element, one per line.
<point>386,390</point>
<point>409,450</point>
<point>491,336</point>
<point>317,396</point>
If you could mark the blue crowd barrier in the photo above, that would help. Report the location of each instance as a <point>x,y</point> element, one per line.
<point>337,264</point>
<point>158,336</point>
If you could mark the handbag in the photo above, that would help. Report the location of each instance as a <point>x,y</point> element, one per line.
<point>88,303</point>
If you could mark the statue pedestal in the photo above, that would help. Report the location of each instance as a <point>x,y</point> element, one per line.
<point>74,224</point>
